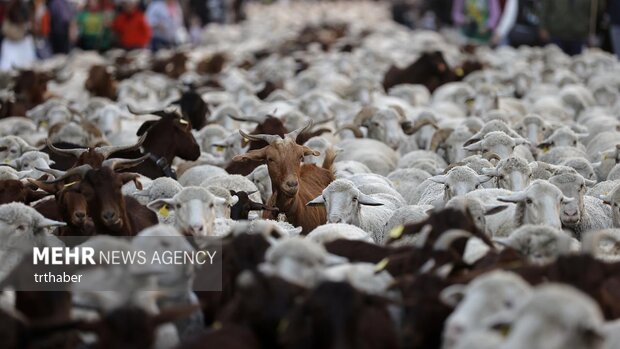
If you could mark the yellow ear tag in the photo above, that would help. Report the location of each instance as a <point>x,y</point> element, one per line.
<point>219,149</point>
<point>69,184</point>
<point>546,149</point>
<point>164,212</point>
<point>382,264</point>
<point>397,231</point>
<point>459,71</point>
<point>43,123</point>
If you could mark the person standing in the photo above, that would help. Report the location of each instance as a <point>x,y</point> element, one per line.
<point>61,18</point>
<point>18,48</point>
<point>166,20</point>
<point>506,23</point>
<point>613,10</point>
<point>477,18</point>
<point>566,23</point>
<point>92,25</point>
<point>130,26</point>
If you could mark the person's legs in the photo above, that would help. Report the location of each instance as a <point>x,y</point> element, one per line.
<point>615,39</point>
<point>570,47</point>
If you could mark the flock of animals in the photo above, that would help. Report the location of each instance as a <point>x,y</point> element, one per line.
<point>371,187</point>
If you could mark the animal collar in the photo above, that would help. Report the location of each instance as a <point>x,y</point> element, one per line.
<point>164,166</point>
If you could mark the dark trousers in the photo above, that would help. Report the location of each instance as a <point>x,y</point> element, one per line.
<point>59,42</point>
<point>570,47</point>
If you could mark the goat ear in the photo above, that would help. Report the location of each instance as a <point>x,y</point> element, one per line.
<point>254,155</point>
<point>490,210</point>
<point>51,188</point>
<point>235,200</point>
<point>309,151</point>
<point>33,195</point>
<point>127,177</point>
<point>145,127</point>
<point>452,295</point>
<point>318,201</point>
<point>471,141</point>
<point>368,201</point>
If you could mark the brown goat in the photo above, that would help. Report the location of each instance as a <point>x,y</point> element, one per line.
<point>293,184</point>
<point>101,82</point>
<point>12,190</point>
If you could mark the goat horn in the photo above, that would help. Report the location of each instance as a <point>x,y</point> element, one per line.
<point>141,112</point>
<point>121,164</point>
<point>256,119</point>
<point>75,152</point>
<point>106,151</point>
<point>293,134</point>
<point>260,137</point>
<point>419,124</point>
<point>491,156</point>
<point>53,172</point>
<point>76,171</point>
<point>356,131</point>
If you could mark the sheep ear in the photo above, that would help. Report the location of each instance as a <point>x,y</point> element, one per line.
<point>490,210</point>
<point>514,198</point>
<point>308,151</point>
<point>489,171</point>
<point>472,140</point>
<point>606,199</point>
<point>159,204</point>
<point>441,179</point>
<point>45,223</point>
<point>368,201</point>
<point>589,182</point>
<point>520,141</point>
<point>254,155</point>
<point>483,178</point>
<point>474,146</point>
<point>318,201</point>
<point>452,295</point>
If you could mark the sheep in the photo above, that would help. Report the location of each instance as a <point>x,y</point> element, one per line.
<point>270,229</point>
<point>162,187</point>
<point>534,128</point>
<point>260,178</point>
<point>345,203</point>
<point>556,316</point>
<point>317,143</point>
<point>613,199</point>
<point>582,166</point>
<point>32,161</point>
<point>194,210</point>
<point>563,137</point>
<point>451,142</point>
<point>409,159</point>
<point>458,181</point>
<point>21,229</point>
<point>198,174</point>
<point>333,231</point>
<point>602,244</point>
<point>557,155</point>
<point>236,183</point>
<point>540,244</point>
<point>499,143</point>
<point>481,303</point>
<point>406,180</point>
<point>512,173</point>
<point>586,213</point>
<point>378,157</point>
<point>477,209</point>
<point>384,125</point>
<point>12,147</point>
<point>362,276</point>
<point>344,169</point>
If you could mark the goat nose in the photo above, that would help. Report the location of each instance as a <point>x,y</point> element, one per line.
<point>80,215</point>
<point>335,219</point>
<point>292,184</point>
<point>108,216</point>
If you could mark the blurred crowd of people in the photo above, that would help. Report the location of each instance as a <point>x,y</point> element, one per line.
<point>37,29</point>
<point>570,24</point>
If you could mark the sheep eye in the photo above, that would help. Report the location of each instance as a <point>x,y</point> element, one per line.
<point>21,227</point>
<point>177,206</point>
<point>528,201</point>
<point>211,205</point>
<point>477,186</point>
<point>574,142</point>
<point>447,186</point>
<point>354,199</point>
<point>508,304</point>
<point>544,129</point>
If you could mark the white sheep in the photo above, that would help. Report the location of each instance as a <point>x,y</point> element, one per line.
<point>333,231</point>
<point>198,174</point>
<point>540,244</point>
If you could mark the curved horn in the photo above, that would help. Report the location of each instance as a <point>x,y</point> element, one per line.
<point>53,172</point>
<point>144,112</point>
<point>106,151</point>
<point>76,171</point>
<point>256,119</point>
<point>293,134</point>
<point>439,137</point>
<point>366,113</point>
<point>260,137</point>
<point>75,152</point>
<point>491,156</point>
<point>121,164</point>
<point>419,124</point>
<point>356,131</point>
